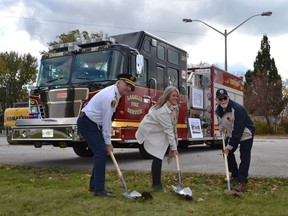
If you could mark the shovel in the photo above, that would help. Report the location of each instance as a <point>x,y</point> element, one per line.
<point>226,164</point>
<point>180,190</point>
<point>133,194</point>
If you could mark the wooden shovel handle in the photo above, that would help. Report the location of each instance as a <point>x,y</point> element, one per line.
<point>177,162</point>
<point>226,162</point>
<point>115,163</point>
<point>178,171</point>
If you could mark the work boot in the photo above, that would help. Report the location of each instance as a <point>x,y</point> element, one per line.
<point>103,193</point>
<point>239,188</point>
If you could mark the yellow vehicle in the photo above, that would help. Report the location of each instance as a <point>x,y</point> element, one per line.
<point>20,110</point>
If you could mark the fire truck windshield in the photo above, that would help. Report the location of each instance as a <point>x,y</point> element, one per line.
<point>85,67</point>
<point>54,71</point>
<point>97,66</point>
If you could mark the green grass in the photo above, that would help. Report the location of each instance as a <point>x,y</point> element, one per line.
<point>58,191</point>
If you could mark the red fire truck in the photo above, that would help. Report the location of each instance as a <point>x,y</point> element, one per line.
<point>70,74</point>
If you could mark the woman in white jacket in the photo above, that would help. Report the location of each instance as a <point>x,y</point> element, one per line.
<point>157,132</point>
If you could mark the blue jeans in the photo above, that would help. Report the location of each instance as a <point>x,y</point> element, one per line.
<point>241,173</point>
<point>94,137</point>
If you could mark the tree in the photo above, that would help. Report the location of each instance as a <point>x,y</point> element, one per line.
<point>75,35</point>
<point>263,87</point>
<point>17,72</point>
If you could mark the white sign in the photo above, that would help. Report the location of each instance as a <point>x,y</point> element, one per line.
<point>197,98</point>
<point>195,127</point>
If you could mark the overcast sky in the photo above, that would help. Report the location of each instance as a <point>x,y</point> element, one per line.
<point>28,25</point>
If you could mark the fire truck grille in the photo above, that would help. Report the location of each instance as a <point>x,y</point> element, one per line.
<point>61,103</point>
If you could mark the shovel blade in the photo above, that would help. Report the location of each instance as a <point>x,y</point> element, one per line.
<point>176,189</point>
<point>187,191</point>
<point>133,194</point>
<point>182,191</point>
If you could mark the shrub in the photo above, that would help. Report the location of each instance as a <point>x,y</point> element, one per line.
<point>283,126</point>
<point>263,128</point>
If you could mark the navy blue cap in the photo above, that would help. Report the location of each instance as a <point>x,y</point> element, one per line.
<point>221,92</point>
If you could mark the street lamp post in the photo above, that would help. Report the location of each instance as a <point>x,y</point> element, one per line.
<point>225,34</point>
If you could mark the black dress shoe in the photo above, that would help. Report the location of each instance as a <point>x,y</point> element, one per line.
<point>93,191</point>
<point>103,193</point>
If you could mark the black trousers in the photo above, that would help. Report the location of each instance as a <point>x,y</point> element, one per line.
<point>94,137</point>
<point>241,172</point>
<point>156,168</point>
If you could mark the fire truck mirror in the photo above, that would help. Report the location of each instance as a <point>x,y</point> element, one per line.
<point>139,64</point>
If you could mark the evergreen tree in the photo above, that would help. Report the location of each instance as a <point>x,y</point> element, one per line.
<point>263,87</point>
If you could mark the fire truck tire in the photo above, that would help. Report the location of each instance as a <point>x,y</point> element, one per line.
<point>82,151</point>
<point>9,140</point>
<point>143,152</point>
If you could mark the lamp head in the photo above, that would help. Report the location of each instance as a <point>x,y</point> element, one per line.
<point>186,20</point>
<point>268,13</point>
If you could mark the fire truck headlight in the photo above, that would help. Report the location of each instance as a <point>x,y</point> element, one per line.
<point>24,134</point>
<point>71,133</point>
<point>33,109</point>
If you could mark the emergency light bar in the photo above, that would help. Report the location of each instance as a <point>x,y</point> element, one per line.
<point>75,46</point>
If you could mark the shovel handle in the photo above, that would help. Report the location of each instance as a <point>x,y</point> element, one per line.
<point>115,163</point>
<point>226,163</point>
<point>177,163</point>
<point>178,171</point>
<point>119,171</point>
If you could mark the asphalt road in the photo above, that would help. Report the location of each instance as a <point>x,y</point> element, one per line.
<point>269,158</point>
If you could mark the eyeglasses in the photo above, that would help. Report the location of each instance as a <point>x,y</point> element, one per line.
<point>222,98</point>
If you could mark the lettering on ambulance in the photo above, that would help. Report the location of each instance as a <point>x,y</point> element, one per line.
<point>134,101</point>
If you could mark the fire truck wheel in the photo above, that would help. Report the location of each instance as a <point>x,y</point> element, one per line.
<point>82,151</point>
<point>9,140</point>
<point>143,152</point>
